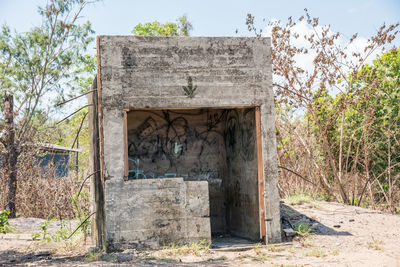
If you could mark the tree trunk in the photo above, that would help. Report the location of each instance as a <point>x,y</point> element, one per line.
<point>10,156</point>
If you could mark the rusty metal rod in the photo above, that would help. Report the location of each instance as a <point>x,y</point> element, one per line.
<point>69,100</point>
<point>73,113</point>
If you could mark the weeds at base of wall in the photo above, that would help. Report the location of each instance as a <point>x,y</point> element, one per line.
<point>62,241</point>
<point>199,248</point>
<point>95,255</point>
<point>75,244</point>
<point>57,243</point>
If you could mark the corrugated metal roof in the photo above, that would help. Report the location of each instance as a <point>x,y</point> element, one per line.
<point>57,148</point>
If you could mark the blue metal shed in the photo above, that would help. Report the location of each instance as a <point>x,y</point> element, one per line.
<point>52,157</point>
<point>56,157</point>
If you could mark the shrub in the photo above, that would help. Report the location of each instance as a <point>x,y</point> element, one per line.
<point>302,229</point>
<point>4,224</point>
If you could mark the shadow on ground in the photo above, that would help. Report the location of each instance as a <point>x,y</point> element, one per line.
<point>12,257</point>
<point>15,258</point>
<point>291,217</point>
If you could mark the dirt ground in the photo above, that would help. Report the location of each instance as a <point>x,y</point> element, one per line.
<point>340,236</point>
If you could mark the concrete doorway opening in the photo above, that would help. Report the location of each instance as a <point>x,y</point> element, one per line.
<point>216,145</point>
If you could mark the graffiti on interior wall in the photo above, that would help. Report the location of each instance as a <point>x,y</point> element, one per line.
<point>240,135</point>
<point>188,142</point>
<point>237,195</point>
<point>167,137</point>
<point>231,132</point>
<point>137,173</point>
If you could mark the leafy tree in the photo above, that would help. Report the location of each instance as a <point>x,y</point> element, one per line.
<point>371,124</point>
<point>334,67</point>
<point>182,27</point>
<point>74,131</point>
<point>37,67</point>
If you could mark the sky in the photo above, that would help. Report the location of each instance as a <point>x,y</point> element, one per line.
<point>216,17</point>
<point>219,17</point>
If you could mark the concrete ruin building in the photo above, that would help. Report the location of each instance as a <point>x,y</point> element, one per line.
<point>183,142</point>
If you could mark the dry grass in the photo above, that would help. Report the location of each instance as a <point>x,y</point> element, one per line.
<point>197,248</point>
<point>375,244</point>
<point>307,243</point>
<point>298,198</point>
<point>259,256</point>
<point>319,253</point>
<point>335,252</point>
<point>221,258</point>
<point>274,248</point>
<point>305,173</point>
<point>41,195</point>
<point>75,245</point>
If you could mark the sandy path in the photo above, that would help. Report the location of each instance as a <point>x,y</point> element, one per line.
<point>342,236</point>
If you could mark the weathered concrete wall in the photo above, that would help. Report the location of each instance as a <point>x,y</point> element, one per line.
<point>149,213</point>
<point>142,72</point>
<point>241,182</point>
<point>96,185</point>
<point>149,72</point>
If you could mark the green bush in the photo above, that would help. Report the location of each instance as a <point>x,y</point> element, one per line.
<point>59,235</point>
<point>4,224</point>
<point>302,229</point>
